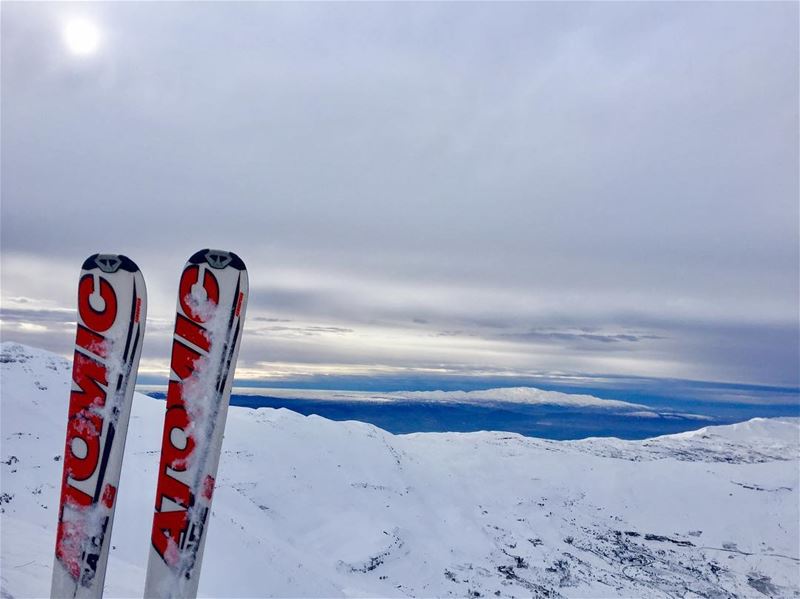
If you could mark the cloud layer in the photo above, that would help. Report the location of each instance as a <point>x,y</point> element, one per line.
<point>424,188</point>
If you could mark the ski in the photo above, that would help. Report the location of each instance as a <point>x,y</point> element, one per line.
<point>212,297</point>
<point>112,304</point>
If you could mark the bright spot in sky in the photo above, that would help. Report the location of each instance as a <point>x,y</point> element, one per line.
<point>81,37</point>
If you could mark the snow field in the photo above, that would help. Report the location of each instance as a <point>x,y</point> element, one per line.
<point>309,507</point>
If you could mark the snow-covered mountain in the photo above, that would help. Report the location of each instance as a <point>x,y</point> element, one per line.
<point>520,395</point>
<point>309,507</point>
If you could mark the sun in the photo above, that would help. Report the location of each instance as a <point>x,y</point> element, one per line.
<point>82,37</point>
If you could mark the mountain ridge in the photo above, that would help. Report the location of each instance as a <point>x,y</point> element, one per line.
<point>305,506</point>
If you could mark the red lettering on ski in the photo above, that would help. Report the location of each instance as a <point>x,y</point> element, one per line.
<point>89,340</point>
<point>190,278</point>
<point>171,520</point>
<point>85,424</point>
<point>167,530</point>
<point>97,320</point>
<point>192,332</point>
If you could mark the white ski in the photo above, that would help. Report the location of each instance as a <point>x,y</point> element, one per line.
<point>212,297</point>
<point>112,303</point>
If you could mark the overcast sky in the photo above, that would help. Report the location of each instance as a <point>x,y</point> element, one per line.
<point>420,189</point>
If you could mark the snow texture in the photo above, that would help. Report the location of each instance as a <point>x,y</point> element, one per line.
<point>309,507</point>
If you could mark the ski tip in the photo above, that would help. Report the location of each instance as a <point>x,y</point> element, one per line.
<point>109,263</point>
<point>217,259</point>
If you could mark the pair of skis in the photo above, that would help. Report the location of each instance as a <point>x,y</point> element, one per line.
<point>112,305</point>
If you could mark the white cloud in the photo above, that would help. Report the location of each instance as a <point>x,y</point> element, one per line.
<point>540,167</point>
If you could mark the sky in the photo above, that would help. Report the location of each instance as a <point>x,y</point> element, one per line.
<point>421,191</point>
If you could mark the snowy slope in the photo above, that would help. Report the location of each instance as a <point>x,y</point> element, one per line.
<point>310,507</point>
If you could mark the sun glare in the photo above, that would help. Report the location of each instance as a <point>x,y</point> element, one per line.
<point>82,37</point>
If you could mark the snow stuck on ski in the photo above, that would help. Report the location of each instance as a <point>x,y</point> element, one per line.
<point>112,303</point>
<point>211,305</point>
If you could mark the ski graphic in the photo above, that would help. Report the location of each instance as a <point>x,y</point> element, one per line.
<point>112,304</point>
<point>212,297</point>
